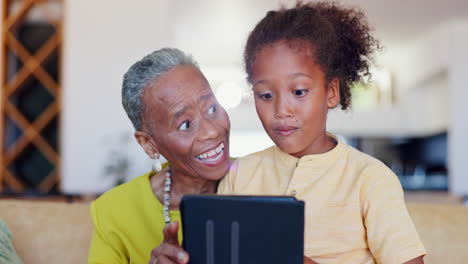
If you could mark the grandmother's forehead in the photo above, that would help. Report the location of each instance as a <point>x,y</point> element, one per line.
<point>184,89</point>
<point>168,91</point>
<point>165,109</point>
<point>186,77</point>
<point>171,95</point>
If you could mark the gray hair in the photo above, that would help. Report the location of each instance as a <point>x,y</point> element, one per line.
<point>144,72</point>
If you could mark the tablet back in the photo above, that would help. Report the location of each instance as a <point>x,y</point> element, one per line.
<point>243,229</point>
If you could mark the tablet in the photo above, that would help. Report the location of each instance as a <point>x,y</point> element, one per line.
<point>243,229</point>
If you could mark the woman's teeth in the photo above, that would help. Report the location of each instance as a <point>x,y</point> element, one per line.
<point>212,155</point>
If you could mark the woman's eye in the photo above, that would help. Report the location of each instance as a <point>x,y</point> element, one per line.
<point>185,125</point>
<point>212,110</point>
<point>300,92</point>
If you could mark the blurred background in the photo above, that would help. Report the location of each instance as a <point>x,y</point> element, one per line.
<point>64,132</point>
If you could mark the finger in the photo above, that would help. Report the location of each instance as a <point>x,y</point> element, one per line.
<point>165,260</point>
<point>308,261</point>
<point>170,232</point>
<point>173,252</point>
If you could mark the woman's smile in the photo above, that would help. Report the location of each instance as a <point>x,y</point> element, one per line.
<point>213,156</point>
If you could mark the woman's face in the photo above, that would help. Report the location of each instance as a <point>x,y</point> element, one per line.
<point>292,97</point>
<point>187,125</point>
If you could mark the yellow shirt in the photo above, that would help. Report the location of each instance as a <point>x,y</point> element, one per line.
<point>354,206</point>
<point>128,223</point>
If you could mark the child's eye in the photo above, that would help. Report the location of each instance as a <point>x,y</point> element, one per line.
<point>212,109</point>
<point>185,125</point>
<point>300,92</point>
<point>266,96</point>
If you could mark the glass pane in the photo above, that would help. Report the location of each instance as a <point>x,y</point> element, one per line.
<point>50,133</point>
<point>31,99</point>
<point>31,167</point>
<point>12,133</point>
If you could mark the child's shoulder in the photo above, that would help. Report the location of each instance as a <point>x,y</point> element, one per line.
<point>252,162</point>
<point>243,169</point>
<point>370,173</point>
<point>256,157</point>
<point>366,163</point>
<point>361,157</point>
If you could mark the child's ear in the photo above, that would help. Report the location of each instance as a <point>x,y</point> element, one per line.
<point>333,93</point>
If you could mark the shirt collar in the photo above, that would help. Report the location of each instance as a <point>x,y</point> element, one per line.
<point>322,160</point>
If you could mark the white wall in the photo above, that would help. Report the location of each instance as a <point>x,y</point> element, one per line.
<point>215,31</point>
<point>421,111</point>
<point>458,132</point>
<point>102,39</point>
<point>425,107</point>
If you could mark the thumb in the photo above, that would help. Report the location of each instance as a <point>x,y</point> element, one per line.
<point>170,232</point>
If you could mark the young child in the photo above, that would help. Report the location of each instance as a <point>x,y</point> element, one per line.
<point>301,62</point>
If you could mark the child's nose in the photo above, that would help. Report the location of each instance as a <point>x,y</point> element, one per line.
<point>282,107</point>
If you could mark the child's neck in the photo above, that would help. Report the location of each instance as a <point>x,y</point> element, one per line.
<point>322,144</point>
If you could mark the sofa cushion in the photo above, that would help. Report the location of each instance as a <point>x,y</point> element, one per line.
<point>7,251</point>
<point>49,232</point>
<point>443,230</point>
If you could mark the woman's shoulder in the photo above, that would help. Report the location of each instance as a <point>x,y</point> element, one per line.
<point>124,195</point>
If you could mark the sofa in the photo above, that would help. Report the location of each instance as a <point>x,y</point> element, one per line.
<point>48,232</point>
<point>59,232</point>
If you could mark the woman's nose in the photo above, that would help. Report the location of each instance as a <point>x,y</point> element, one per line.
<point>209,130</point>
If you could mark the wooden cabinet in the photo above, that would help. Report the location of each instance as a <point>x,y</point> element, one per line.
<point>30,96</point>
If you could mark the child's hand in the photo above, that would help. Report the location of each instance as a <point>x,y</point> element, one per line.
<point>170,251</point>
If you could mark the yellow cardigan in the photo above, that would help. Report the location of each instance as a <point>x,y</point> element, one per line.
<point>128,223</point>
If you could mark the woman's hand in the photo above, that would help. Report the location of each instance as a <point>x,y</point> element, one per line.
<point>308,261</point>
<point>170,251</point>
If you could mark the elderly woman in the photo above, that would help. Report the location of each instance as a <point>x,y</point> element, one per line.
<point>176,115</point>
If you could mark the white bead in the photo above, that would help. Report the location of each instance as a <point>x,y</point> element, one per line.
<point>167,191</point>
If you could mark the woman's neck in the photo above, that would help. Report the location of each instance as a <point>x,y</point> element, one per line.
<point>181,185</point>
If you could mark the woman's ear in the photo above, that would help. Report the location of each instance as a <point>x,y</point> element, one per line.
<point>147,143</point>
<point>333,93</point>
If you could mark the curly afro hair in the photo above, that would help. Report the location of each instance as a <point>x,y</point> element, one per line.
<point>338,37</point>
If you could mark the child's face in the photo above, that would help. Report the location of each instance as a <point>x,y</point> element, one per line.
<point>292,98</point>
